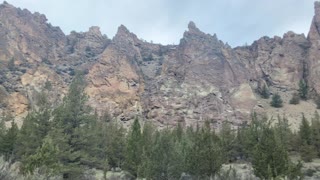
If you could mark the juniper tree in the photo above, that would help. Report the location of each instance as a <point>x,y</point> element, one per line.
<point>46,158</point>
<point>133,149</point>
<point>228,139</point>
<point>307,150</point>
<point>295,99</point>
<point>71,119</point>
<point>265,94</point>
<point>303,89</point>
<point>276,101</point>
<point>270,158</point>
<point>9,140</point>
<point>34,129</point>
<point>204,149</point>
<point>315,130</point>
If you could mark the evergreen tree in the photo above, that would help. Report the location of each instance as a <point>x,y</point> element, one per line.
<point>283,132</point>
<point>303,89</point>
<point>270,158</point>
<point>240,143</point>
<point>228,138</point>
<point>9,141</point>
<point>204,149</point>
<point>133,149</point>
<point>45,158</point>
<point>11,65</point>
<point>146,143</point>
<point>34,129</point>
<point>305,131</point>
<point>307,150</point>
<point>164,161</point>
<point>265,94</point>
<point>295,99</point>
<point>71,119</point>
<point>107,144</point>
<point>315,128</point>
<point>2,135</point>
<point>251,134</point>
<point>276,101</point>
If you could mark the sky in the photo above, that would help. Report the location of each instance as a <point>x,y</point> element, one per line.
<point>236,22</point>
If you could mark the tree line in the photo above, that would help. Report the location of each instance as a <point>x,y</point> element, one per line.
<point>68,139</point>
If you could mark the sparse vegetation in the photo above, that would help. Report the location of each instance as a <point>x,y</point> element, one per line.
<point>46,61</point>
<point>66,140</point>
<point>149,58</point>
<point>303,89</point>
<point>48,85</point>
<point>265,94</point>
<point>295,99</point>
<point>11,65</point>
<point>276,101</point>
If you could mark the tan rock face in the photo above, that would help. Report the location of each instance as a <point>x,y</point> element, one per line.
<point>26,36</point>
<point>243,99</point>
<point>18,103</point>
<point>314,54</point>
<point>200,79</point>
<point>278,61</point>
<point>113,85</point>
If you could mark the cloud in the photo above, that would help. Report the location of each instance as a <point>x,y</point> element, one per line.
<point>164,21</point>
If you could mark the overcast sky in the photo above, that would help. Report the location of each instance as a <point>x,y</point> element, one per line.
<point>164,21</point>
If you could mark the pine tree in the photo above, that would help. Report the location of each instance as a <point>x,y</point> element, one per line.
<point>34,129</point>
<point>295,99</point>
<point>270,158</point>
<point>303,89</point>
<point>2,135</point>
<point>307,150</point>
<point>228,138</point>
<point>305,131</point>
<point>161,156</point>
<point>71,119</point>
<point>147,138</point>
<point>133,149</point>
<point>11,64</point>
<point>204,149</point>
<point>283,132</point>
<point>276,101</point>
<point>46,158</point>
<point>250,134</point>
<point>9,141</point>
<point>315,130</point>
<point>265,94</point>
<point>108,146</point>
<point>240,143</point>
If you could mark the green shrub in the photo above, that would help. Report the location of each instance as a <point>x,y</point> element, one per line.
<point>303,89</point>
<point>276,101</point>
<point>48,85</point>
<point>295,99</point>
<point>11,65</point>
<point>265,94</point>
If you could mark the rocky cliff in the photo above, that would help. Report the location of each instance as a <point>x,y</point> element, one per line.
<point>199,79</point>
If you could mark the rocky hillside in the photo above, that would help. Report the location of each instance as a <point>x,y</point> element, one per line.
<point>201,78</point>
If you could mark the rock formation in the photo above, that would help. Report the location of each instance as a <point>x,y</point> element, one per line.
<point>200,79</point>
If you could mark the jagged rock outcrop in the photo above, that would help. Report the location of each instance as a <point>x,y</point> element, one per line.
<point>27,37</point>
<point>200,78</point>
<point>276,61</point>
<point>314,50</point>
<point>197,81</point>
